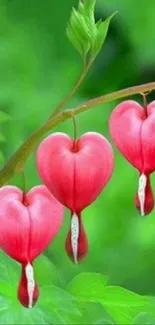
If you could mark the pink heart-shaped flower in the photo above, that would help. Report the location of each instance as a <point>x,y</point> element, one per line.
<point>133,131</point>
<point>75,172</point>
<point>28,223</point>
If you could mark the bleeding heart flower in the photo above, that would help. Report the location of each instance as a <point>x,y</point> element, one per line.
<point>75,172</point>
<point>133,131</point>
<point>28,222</point>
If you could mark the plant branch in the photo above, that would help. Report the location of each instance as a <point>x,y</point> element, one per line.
<point>74,89</point>
<point>16,162</point>
<point>148,87</point>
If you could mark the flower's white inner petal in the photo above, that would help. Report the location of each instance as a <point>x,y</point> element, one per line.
<point>75,236</point>
<point>30,283</point>
<point>141,192</point>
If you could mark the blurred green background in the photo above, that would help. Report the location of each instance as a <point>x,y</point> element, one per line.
<point>38,66</point>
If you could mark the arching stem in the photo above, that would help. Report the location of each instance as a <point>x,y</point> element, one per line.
<point>16,162</point>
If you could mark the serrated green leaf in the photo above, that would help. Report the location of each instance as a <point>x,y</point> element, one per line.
<point>80,28</point>
<point>84,33</point>
<point>120,303</point>
<point>81,8</point>
<point>90,5</point>
<point>89,14</point>
<point>74,40</point>
<point>9,269</point>
<point>98,315</point>
<point>144,319</point>
<point>78,32</point>
<point>99,22</point>
<point>86,285</point>
<point>54,306</point>
<point>78,22</point>
<point>45,271</point>
<point>100,35</point>
<point>105,321</point>
<point>4,117</point>
<point>11,312</point>
<point>58,304</point>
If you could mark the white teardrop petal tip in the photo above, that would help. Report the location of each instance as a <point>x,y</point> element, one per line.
<point>75,236</point>
<point>141,192</point>
<point>30,283</point>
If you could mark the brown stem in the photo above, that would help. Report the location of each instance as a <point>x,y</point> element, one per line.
<point>24,180</point>
<point>74,127</point>
<point>117,95</point>
<point>16,162</point>
<point>144,100</point>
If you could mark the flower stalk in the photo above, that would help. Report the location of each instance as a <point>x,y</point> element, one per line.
<point>16,162</point>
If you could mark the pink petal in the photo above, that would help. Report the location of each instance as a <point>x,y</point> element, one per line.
<point>46,216</point>
<point>125,128</point>
<point>75,178</point>
<point>25,231</point>
<point>14,224</point>
<point>132,129</point>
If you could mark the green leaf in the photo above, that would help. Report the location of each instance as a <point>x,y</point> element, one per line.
<point>100,34</point>
<point>9,270</point>
<point>90,5</point>
<point>54,306</point>
<point>78,32</point>
<point>11,312</point>
<point>92,313</point>
<point>45,271</point>
<point>98,315</point>
<point>120,303</point>
<point>86,285</point>
<point>58,304</point>
<point>50,309</point>
<point>89,14</point>
<point>144,319</point>
<point>84,33</point>
<point>81,27</point>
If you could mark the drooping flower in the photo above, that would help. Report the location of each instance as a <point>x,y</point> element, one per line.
<point>132,128</point>
<point>28,223</point>
<point>75,172</point>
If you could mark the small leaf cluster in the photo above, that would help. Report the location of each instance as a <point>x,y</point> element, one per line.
<point>87,35</point>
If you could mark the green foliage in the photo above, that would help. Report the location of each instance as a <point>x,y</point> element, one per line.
<point>55,305</point>
<point>78,32</point>
<point>85,286</point>
<point>85,34</point>
<point>123,305</point>
<point>109,304</point>
<point>100,31</point>
<point>90,6</point>
<point>47,275</point>
<point>144,319</point>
